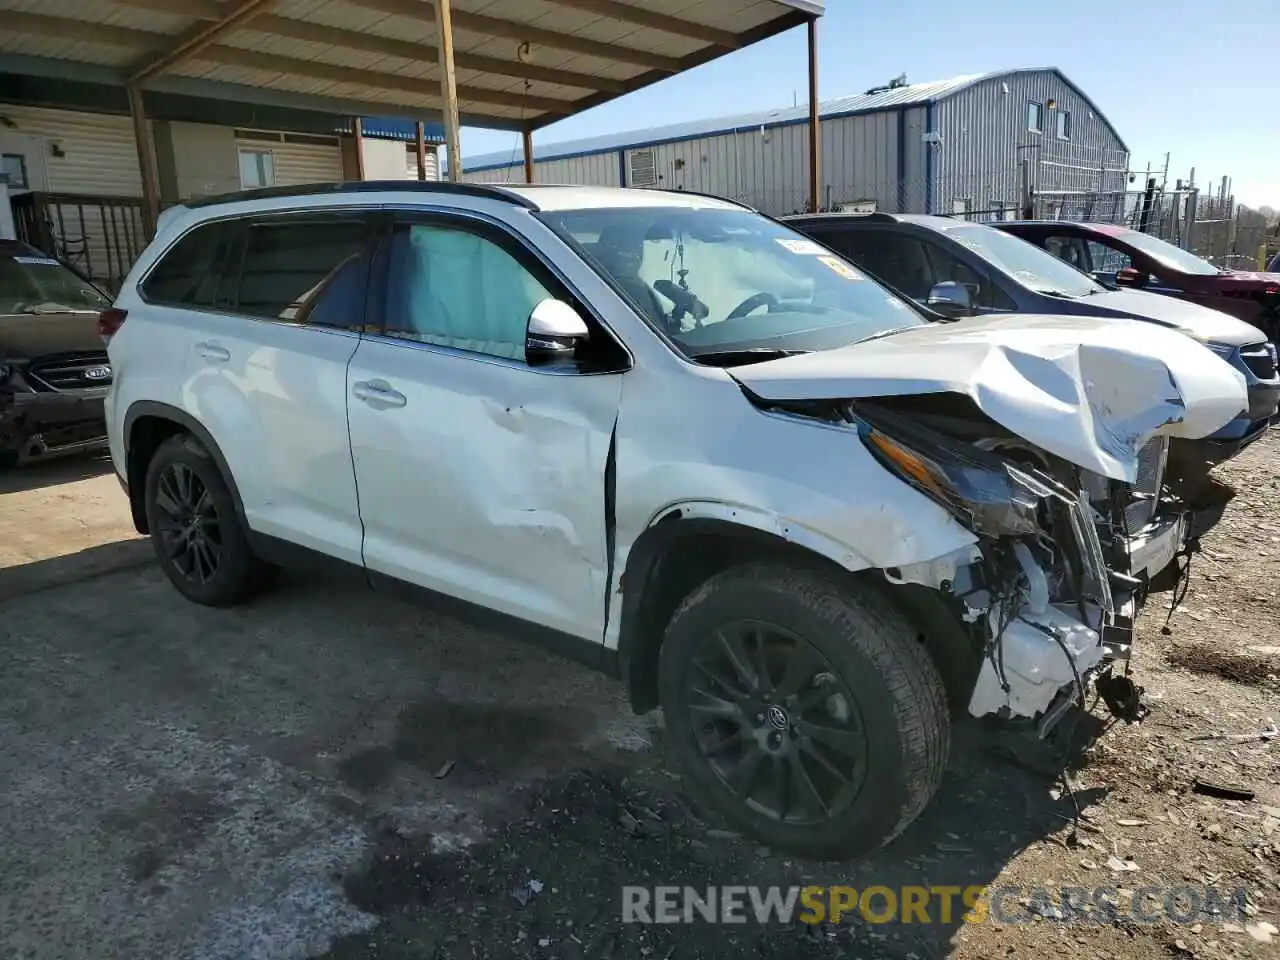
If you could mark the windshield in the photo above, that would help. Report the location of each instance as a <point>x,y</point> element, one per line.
<point>33,283</point>
<point>727,284</point>
<point>1175,258</point>
<point>1027,264</point>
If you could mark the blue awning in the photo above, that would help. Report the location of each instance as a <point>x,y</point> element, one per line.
<point>387,128</point>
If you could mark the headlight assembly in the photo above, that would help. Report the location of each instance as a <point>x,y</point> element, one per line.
<point>977,488</point>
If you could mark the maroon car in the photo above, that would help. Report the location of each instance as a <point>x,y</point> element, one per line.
<point>1128,258</point>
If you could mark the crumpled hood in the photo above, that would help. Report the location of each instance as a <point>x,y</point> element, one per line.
<point>1203,323</point>
<point>1090,390</point>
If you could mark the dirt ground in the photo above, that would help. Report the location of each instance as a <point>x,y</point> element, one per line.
<point>331,774</point>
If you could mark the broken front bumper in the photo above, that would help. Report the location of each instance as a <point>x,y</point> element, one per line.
<point>1041,654</point>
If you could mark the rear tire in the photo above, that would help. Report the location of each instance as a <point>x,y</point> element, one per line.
<point>198,536</point>
<point>832,743</point>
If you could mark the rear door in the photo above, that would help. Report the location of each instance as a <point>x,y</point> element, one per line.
<point>267,365</point>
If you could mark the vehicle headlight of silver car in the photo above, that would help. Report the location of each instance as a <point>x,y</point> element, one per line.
<point>981,490</point>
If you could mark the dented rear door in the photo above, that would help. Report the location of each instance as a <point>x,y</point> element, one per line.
<point>479,476</point>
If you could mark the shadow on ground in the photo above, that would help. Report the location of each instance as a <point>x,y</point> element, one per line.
<point>550,883</point>
<point>86,564</point>
<point>50,473</point>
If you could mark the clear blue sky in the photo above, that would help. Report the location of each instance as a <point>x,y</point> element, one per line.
<point>1199,81</point>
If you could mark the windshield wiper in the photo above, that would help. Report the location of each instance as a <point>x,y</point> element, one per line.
<point>743,355</point>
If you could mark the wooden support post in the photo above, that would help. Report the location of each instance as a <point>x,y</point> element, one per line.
<point>526,136</point>
<point>449,88</point>
<point>357,133</point>
<point>146,161</point>
<point>815,122</point>
<point>422,150</point>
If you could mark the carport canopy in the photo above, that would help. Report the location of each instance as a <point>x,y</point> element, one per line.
<point>505,64</point>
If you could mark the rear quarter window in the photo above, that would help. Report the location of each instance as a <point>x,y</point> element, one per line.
<point>189,273</point>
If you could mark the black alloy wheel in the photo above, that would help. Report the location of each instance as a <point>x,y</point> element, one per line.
<point>776,723</point>
<point>188,525</point>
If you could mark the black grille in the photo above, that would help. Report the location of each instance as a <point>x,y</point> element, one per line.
<point>79,371</point>
<point>1260,361</point>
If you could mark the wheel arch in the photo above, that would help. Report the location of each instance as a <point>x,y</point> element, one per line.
<point>147,424</point>
<point>683,548</point>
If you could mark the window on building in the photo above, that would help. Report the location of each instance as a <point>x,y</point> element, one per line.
<point>1064,124</point>
<point>1035,117</point>
<point>257,169</point>
<point>13,170</point>
<point>962,207</point>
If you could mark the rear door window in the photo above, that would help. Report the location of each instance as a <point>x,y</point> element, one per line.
<point>305,270</point>
<point>947,265</point>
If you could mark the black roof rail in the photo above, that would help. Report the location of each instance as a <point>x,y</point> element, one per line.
<point>876,217</point>
<point>491,191</point>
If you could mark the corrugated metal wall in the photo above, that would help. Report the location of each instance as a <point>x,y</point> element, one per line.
<point>95,152</point>
<point>598,169</point>
<point>980,132</point>
<point>984,132</point>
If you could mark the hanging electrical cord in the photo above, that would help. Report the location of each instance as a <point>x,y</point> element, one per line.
<point>519,139</point>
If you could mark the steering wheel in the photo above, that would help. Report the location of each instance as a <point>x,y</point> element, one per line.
<point>753,302</point>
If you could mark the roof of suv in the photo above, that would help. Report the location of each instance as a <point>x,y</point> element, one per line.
<point>530,196</point>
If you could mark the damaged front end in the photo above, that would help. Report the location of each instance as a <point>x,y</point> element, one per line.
<point>1063,559</point>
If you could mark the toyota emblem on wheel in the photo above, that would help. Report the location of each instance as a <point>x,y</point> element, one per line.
<point>777,718</point>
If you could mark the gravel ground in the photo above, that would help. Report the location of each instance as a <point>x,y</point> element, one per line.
<point>330,774</point>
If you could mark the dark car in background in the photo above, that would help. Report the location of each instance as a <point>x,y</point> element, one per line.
<point>959,268</point>
<point>54,372</point>
<point>1129,258</point>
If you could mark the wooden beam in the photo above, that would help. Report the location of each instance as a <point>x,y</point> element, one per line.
<point>357,134</point>
<point>419,135</point>
<point>815,122</point>
<point>270,63</point>
<point>37,24</point>
<point>526,140</point>
<point>410,50</point>
<point>197,38</point>
<point>146,161</point>
<point>626,13</point>
<point>452,134</point>
<point>513,30</point>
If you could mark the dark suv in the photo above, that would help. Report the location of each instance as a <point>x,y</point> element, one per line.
<point>958,268</point>
<point>1130,258</point>
<point>54,372</point>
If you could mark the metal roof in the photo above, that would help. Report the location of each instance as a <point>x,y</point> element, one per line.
<point>913,94</point>
<point>518,62</point>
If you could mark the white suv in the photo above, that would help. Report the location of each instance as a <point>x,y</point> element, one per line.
<point>676,438</point>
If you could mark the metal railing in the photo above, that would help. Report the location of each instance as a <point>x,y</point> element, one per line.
<point>100,236</point>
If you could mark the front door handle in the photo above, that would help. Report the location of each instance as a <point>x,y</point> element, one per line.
<point>378,394</point>
<point>213,352</point>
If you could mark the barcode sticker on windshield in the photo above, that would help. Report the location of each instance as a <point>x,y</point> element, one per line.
<point>41,261</point>
<point>836,265</point>
<point>805,247</point>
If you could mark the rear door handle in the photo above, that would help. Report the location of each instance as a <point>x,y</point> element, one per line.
<point>213,352</point>
<point>378,394</point>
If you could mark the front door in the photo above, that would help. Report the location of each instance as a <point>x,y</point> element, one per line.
<point>480,476</point>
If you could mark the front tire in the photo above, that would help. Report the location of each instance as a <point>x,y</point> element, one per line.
<point>198,537</point>
<point>802,709</point>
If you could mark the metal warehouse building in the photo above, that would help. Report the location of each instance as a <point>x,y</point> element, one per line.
<point>973,143</point>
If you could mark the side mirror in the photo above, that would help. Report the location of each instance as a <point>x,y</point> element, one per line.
<point>554,331</point>
<point>1129,277</point>
<point>950,299</point>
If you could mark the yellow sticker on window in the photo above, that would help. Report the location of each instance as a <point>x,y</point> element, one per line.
<point>837,265</point>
